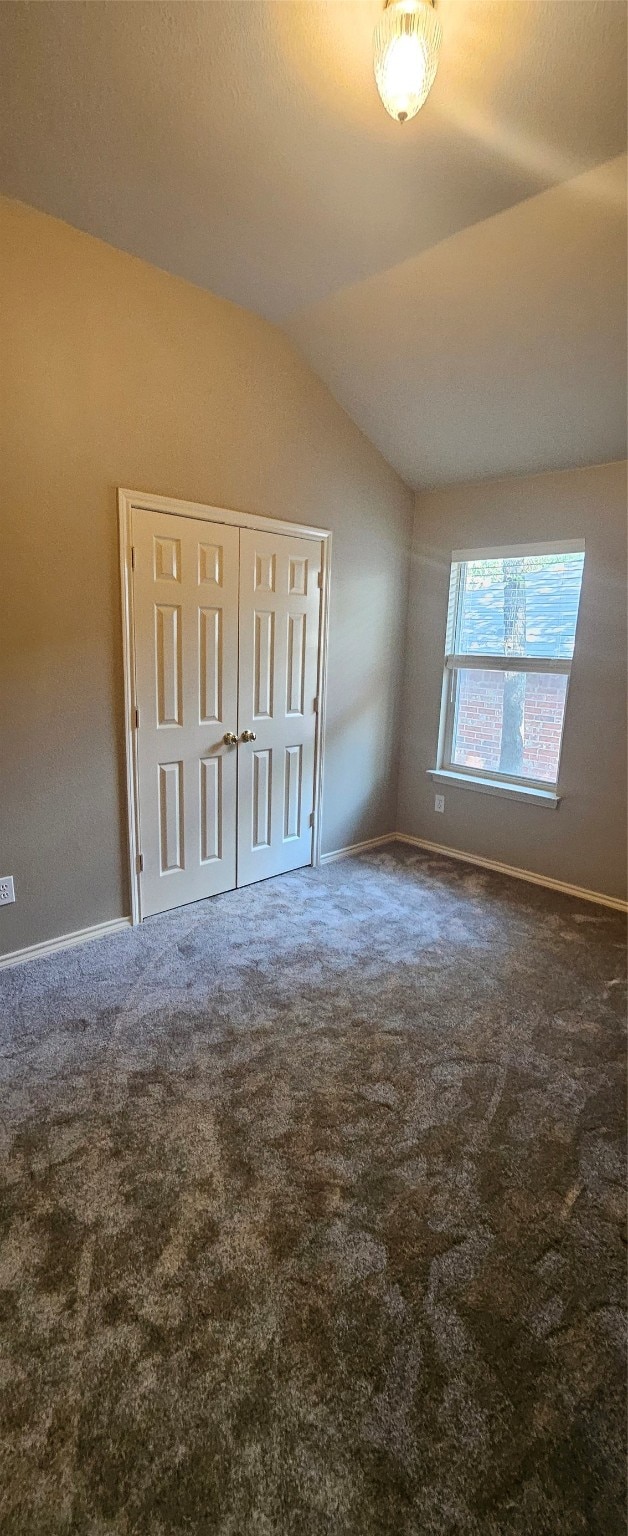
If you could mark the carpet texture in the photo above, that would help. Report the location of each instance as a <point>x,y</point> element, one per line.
<point>313,1215</point>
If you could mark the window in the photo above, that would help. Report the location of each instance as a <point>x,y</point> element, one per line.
<point>511,628</point>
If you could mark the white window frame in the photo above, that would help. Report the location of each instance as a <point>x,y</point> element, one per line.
<point>491,780</point>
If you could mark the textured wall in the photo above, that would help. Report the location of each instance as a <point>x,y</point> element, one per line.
<point>116,374</point>
<point>584,841</point>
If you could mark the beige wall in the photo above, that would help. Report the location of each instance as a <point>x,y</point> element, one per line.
<point>583,842</point>
<point>116,374</point>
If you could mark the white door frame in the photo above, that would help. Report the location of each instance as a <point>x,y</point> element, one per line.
<point>130,501</point>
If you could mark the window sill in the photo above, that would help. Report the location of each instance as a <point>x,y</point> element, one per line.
<point>520,792</point>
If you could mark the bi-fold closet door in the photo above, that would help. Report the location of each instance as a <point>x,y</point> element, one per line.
<point>226,639</point>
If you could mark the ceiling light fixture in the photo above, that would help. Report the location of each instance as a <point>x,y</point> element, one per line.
<point>406,45</point>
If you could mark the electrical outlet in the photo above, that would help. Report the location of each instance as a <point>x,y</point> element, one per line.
<point>439,802</point>
<point>7,890</point>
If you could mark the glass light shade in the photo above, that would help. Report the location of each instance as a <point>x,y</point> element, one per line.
<point>406,46</point>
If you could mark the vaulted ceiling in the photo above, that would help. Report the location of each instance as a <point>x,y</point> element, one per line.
<point>459,282</point>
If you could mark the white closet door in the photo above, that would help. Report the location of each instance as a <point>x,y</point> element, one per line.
<point>186,644</point>
<point>278,650</point>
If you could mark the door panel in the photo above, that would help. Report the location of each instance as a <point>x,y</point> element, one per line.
<point>170,816</point>
<point>210,667</point>
<point>293,771</point>
<point>264,664</point>
<point>278,651</point>
<point>185,592</point>
<point>211,808</point>
<point>168,664</point>
<point>262,798</point>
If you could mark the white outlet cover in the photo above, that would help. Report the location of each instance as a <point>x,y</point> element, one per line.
<point>439,802</point>
<point>7,890</point>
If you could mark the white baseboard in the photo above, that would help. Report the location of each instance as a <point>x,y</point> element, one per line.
<point>65,941</point>
<point>516,874</point>
<point>473,858</point>
<point>118,924</point>
<point>346,853</point>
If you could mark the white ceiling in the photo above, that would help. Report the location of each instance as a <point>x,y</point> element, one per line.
<point>468,318</point>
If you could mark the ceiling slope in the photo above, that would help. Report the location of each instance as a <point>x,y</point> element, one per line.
<point>501,351</point>
<point>244,147</point>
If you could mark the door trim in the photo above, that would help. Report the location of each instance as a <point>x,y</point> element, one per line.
<point>144,501</point>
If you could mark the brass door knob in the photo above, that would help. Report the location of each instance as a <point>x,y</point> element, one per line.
<point>230,740</point>
<point>249,736</point>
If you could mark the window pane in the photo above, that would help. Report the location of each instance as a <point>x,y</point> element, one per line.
<point>522,606</point>
<point>509,722</point>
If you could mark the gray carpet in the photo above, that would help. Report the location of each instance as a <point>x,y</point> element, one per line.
<point>313,1218</point>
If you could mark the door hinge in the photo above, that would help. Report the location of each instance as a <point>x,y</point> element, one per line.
<point>140,863</point>
<point>320,578</point>
<point>315,706</point>
<point>132,557</point>
<point>137,719</point>
<point>311,818</point>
